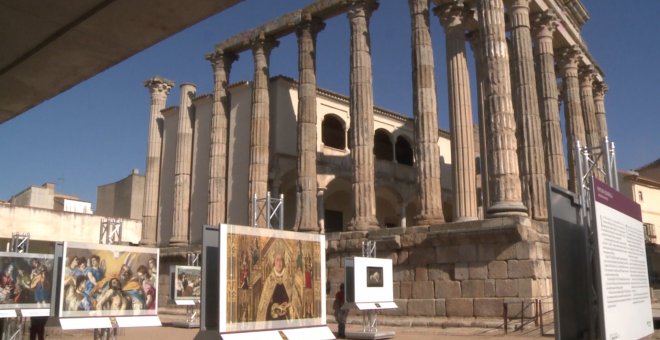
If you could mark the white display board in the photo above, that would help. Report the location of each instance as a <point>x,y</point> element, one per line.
<point>371,281</point>
<point>625,301</point>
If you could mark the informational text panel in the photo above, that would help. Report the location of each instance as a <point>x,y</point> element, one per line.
<point>625,298</point>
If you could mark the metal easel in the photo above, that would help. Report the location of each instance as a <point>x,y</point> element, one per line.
<point>110,233</point>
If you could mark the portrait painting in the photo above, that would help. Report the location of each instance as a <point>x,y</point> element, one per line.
<point>186,281</point>
<point>25,280</point>
<point>274,279</point>
<point>108,280</point>
<point>374,276</point>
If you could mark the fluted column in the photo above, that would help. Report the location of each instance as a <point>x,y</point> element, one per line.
<point>485,148</point>
<point>159,88</point>
<point>506,196</point>
<point>600,88</point>
<point>221,62</point>
<point>526,107</point>
<point>425,112</point>
<point>544,26</point>
<point>452,17</point>
<point>587,74</point>
<point>306,199</point>
<point>363,192</point>
<point>183,167</point>
<point>260,123</point>
<point>568,64</point>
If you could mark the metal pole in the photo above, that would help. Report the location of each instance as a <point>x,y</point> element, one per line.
<point>281,206</point>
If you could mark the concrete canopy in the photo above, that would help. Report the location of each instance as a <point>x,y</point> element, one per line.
<point>49,46</point>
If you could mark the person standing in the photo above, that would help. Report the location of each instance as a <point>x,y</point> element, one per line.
<point>340,314</point>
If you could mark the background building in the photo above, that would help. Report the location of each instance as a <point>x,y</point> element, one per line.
<point>123,198</point>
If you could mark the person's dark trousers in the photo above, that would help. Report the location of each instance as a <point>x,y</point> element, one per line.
<point>38,327</point>
<point>341,330</point>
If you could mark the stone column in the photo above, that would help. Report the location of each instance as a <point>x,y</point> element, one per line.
<point>159,88</point>
<point>506,196</point>
<point>452,16</point>
<point>260,123</point>
<point>587,73</point>
<point>183,167</point>
<point>485,148</point>
<point>362,117</point>
<point>425,111</point>
<point>526,107</point>
<point>544,26</point>
<point>568,63</point>
<point>306,210</point>
<point>221,62</point>
<point>600,88</point>
<point>320,199</point>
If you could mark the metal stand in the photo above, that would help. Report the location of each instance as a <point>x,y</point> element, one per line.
<point>110,233</point>
<point>269,209</point>
<point>192,311</point>
<point>369,316</point>
<point>13,327</point>
<point>593,162</point>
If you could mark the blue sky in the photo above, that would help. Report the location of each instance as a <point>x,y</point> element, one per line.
<point>96,132</point>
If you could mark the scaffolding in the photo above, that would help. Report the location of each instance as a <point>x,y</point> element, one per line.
<point>269,209</point>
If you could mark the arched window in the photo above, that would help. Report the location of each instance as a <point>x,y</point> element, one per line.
<point>332,132</point>
<point>404,152</point>
<point>383,145</point>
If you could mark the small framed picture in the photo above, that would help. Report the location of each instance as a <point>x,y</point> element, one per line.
<point>374,276</point>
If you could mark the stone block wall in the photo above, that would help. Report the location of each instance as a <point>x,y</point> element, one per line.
<point>466,269</point>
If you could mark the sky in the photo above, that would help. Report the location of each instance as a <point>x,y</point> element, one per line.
<point>96,132</point>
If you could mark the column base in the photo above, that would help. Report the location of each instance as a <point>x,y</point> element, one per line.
<point>363,224</point>
<point>178,241</point>
<point>507,208</point>
<point>465,219</point>
<point>428,220</point>
<point>309,229</point>
<point>149,243</point>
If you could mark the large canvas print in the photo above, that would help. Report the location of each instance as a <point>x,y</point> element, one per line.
<point>108,280</point>
<point>25,280</point>
<point>186,282</point>
<point>270,279</point>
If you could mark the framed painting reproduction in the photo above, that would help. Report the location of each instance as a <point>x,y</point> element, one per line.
<point>270,279</point>
<point>185,282</point>
<point>25,280</point>
<point>108,280</point>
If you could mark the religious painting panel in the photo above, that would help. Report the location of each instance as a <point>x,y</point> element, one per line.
<point>185,282</point>
<point>25,280</point>
<point>108,280</point>
<point>270,279</point>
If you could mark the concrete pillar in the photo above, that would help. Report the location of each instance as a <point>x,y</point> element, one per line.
<point>425,112</point>
<point>362,117</point>
<point>485,148</point>
<point>568,63</point>
<point>506,197</point>
<point>587,74</point>
<point>221,62</point>
<point>600,88</point>
<point>452,16</point>
<point>159,88</point>
<point>306,210</point>
<point>526,108</point>
<point>544,25</point>
<point>183,167</point>
<point>260,123</point>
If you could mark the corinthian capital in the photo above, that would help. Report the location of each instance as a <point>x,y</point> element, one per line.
<point>221,58</point>
<point>158,85</point>
<point>263,42</point>
<point>309,23</point>
<point>569,57</point>
<point>600,88</point>
<point>451,13</point>
<point>544,23</point>
<point>361,8</point>
<point>587,74</point>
